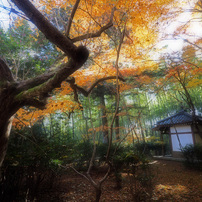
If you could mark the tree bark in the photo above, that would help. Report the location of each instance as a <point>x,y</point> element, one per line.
<point>98,194</point>
<point>8,107</point>
<point>5,128</point>
<point>105,125</point>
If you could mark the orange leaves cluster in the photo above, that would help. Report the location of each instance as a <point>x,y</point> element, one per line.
<point>27,117</point>
<point>64,90</point>
<point>18,22</point>
<point>140,17</point>
<point>196,78</point>
<point>189,75</point>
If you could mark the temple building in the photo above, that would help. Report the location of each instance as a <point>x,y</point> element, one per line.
<point>182,129</point>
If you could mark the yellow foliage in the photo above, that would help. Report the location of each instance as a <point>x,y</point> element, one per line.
<point>18,22</point>
<point>27,117</point>
<point>140,18</point>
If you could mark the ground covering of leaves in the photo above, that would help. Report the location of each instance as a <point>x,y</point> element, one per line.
<point>171,182</point>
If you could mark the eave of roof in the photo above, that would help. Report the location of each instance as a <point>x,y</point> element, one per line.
<point>180,118</point>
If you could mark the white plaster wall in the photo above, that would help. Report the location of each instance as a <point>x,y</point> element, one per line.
<point>184,140</point>
<point>180,129</point>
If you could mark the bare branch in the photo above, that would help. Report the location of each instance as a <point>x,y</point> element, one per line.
<point>117,94</point>
<point>71,17</point>
<point>93,35</point>
<point>94,144</point>
<point>88,178</point>
<point>190,63</point>
<point>106,175</point>
<point>191,43</point>
<point>99,32</point>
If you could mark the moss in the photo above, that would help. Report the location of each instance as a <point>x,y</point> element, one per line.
<point>25,94</point>
<point>30,93</point>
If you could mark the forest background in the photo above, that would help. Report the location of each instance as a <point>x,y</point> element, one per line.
<point>131,79</point>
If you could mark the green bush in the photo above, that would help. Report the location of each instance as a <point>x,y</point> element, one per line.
<point>139,175</point>
<point>32,163</point>
<point>193,155</point>
<point>82,154</point>
<point>150,148</point>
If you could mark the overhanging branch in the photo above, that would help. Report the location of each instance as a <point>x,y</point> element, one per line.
<point>76,88</point>
<point>48,82</point>
<point>36,103</point>
<point>99,32</point>
<point>52,33</point>
<point>93,35</point>
<point>31,83</point>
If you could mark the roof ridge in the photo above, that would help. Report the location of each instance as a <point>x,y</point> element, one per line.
<point>180,112</point>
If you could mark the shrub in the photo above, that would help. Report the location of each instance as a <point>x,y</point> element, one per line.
<point>82,154</point>
<point>150,148</point>
<point>31,164</point>
<point>139,175</point>
<point>193,155</point>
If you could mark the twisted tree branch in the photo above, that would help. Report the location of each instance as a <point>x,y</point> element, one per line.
<point>76,88</point>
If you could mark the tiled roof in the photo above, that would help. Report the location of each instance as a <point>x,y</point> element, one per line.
<point>181,117</point>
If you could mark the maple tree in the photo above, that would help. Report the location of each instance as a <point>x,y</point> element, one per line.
<point>34,92</point>
<point>183,74</point>
<point>15,95</point>
<point>183,68</point>
<point>140,17</point>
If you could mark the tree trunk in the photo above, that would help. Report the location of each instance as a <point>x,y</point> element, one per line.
<point>98,194</point>
<point>5,128</point>
<point>8,107</point>
<point>117,126</point>
<point>104,119</point>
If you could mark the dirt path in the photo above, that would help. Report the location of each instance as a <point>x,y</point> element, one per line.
<point>172,182</point>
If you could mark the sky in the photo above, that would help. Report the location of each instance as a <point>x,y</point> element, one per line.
<point>175,43</point>
<point>4,14</point>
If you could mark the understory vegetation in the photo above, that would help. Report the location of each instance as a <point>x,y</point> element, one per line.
<point>35,162</point>
<point>193,156</point>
